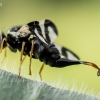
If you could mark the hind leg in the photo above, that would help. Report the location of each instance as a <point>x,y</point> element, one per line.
<point>40,71</point>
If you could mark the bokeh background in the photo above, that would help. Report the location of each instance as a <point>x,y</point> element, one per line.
<point>78,24</point>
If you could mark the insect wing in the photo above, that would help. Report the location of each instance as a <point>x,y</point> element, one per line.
<point>66,52</point>
<point>49,30</point>
<point>45,30</point>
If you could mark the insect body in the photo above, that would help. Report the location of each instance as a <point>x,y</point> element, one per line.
<point>34,40</point>
<point>48,54</point>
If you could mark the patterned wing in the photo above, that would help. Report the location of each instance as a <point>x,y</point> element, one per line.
<point>44,30</point>
<point>47,32</point>
<point>66,52</point>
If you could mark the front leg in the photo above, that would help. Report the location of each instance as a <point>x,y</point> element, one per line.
<point>31,52</point>
<point>21,60</point>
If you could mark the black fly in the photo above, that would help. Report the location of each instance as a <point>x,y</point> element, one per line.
<point>36,40</point>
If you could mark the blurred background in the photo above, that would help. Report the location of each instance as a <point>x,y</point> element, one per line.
<point>78,24</point>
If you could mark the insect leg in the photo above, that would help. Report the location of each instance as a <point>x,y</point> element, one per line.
<point>2,43</point>
<point>5,52</point>
<point>22,51</point>
<point>32,48</point>
<point>40,71</point>
<point>63,62</point>
<point>23,59</point>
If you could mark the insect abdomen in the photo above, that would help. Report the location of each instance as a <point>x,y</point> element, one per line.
<point>46,53</point>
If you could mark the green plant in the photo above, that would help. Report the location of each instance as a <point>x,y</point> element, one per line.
<point>14,88</point>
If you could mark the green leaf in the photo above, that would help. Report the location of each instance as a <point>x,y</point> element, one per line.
<point>14,88</point>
